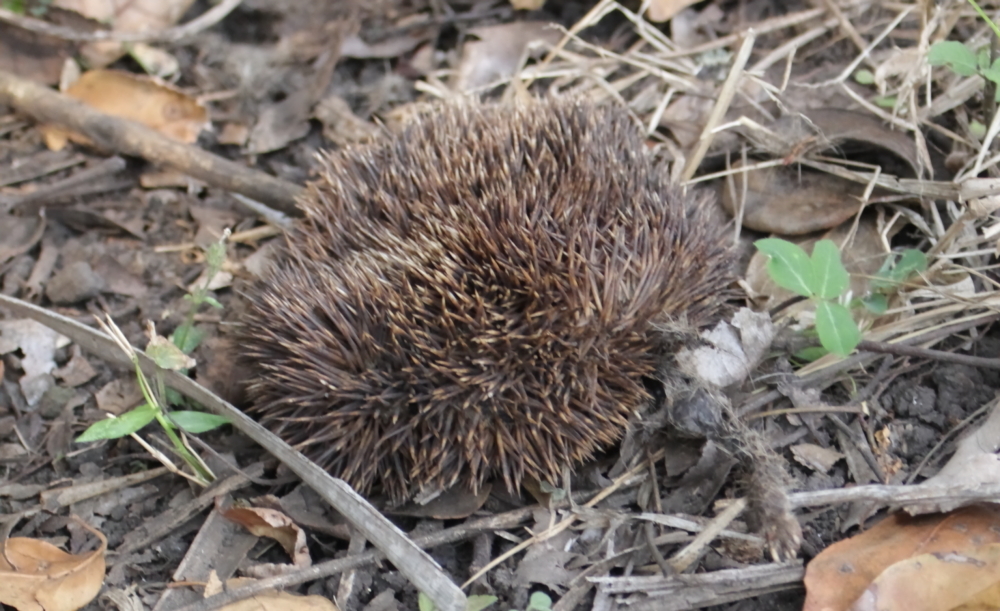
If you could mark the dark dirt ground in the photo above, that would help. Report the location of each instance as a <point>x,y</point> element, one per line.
<point>143,246</point>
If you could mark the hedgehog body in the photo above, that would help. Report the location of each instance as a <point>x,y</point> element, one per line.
<point>479,297</point>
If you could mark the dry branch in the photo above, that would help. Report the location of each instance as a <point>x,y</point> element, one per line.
<point>130,138</point>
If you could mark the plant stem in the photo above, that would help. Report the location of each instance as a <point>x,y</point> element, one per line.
<point>986,18</point>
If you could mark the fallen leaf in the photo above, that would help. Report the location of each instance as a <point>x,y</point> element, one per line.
<point>20,234</point>
<point>139,99</point>
<point>272,600</point>
<point>276,525</point>
<point>77,371</point>
<point>500,50</point>
<point>974,463</point>
<point>38,344</point>
<point>456,503</point>
<point>791,201</point>
<point>124,16</point>
<point>662,10</point>
<point>732,351</point>
<point>840,574</point>
<point>545,561</point>
<point>119,396</point>
<point>38,576</point>
<point>939,580</point>
<point>527,5</point>
<point>816,457</point>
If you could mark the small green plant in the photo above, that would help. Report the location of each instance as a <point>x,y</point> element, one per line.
<point>964,60</point>
<point>823,279</point>
<point>186,336</point>
<point>170,355</point>
<point>893,273</point>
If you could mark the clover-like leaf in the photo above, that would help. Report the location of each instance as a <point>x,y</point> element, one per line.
<point>789,266</point>
<point>829,279</point>
<point>836,328</point>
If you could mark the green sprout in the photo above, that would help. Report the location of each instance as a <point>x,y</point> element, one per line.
<point>823,279</point>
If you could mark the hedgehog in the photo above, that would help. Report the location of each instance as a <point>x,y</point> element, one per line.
<point>484,296</point>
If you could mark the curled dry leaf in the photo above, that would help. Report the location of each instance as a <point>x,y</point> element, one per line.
<point>275,525</point>
<point>38,576</point>
<point>842,573</point>
<point>731,351</point>
<point>155,105</point>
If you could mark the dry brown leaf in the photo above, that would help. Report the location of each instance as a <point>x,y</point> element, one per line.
<point>140,99</point>
<point>662,10</point>
<point>527,5</point>
<point>500,50</point>
<point>455,503</point>
<point>38,576</point>
<point>281,601</point>
<point>124,16</point>
<point>973,464</point>
<point>815,457</point>
<point>275,525</point>
<point>841,574</point>
<point>941,580</point>
<point>790,201</point>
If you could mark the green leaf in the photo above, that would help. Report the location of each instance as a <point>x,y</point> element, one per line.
<point>836,328</point>
<point>188,335</point>
<point>478,602</point>
<point>911,262</point>
<point>212,301</point>
<point>829,279</point>
<point>424,602</point>
<point>811,354</point>
<point>539,601</point>
<point>864,77</point>
<point>126,424</point>
<point>983,59</point>
<point>955,55</point>
<point>14,6</point>
<point>789,266</point>
<point>167,355</point>
<point>197,422</point>
<point>992,72</point>
<point>876,304</point>
<point>885,101</point>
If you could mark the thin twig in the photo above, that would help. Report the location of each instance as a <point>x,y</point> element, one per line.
<point>927,353</point>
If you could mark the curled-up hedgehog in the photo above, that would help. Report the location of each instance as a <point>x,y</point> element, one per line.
<point>488,295</point>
